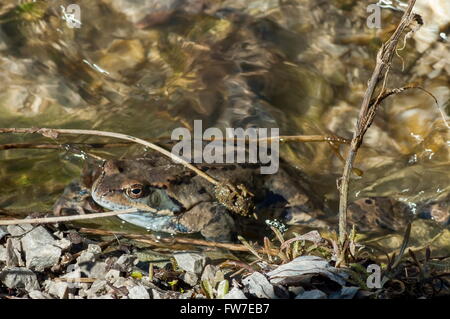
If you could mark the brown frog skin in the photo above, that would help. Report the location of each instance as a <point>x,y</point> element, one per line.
<point>185,202</point>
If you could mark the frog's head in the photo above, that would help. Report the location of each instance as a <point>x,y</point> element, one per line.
<point>122,185</point>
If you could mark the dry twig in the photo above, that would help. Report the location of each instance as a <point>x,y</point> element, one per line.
<point>368,111</point>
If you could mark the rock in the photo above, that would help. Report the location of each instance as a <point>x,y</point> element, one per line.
<point>126,263</point>
<point>85,257</point>
<point>58,289</point>
<point>162,294</point>
<point>209,273</point>
<point>37,294</point>
<point>190,278</point>
<point>235,293</point>
<point>107,296</point>
<point>64,244</point>
<point>138,292</point>
<point>97,288</point>
<point>345,293</point>
<point>2,254</point>
<point>19,277</point>
<point>304,265</point>
<point>312,294</point>
<point>13,253</point>
<point>94,249</point>
<point>191,262</point>
<point>96,270</point>
<point>40,250</point>
<point>258,285</point>
<point>112,275</point>
<point>19,230</point>
<point>296,290</point>
<point>3,232</point>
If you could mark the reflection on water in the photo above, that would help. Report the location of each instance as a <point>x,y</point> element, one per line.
<point>147,67</point>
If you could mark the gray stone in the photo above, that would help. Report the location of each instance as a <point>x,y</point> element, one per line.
<point>40,250</point>
<point>306,265</point>
<point>97,288</point>
<point>95,249</point>
<point>126,262</point>
<point>345,293</point>
<point>312,294</point>
<point>19,277</point>
<point>90,254</point>
<point>107,296</point>
<point>235,293</point>
<point>64,244</point>
<point>162,294</point>
<point>191,262</point>
<point>58,289</point>
<point>85,257</point>
<point>209,273</point>
<point>138,292</point>
<point>112,275</point>
<point>258,285</point>
<point>13,253</point>
<point>190,278</point>
<point>124,282</point>
<point>3,232</point>
<point>296,290</point>
<point>37,294</point>
<point>19,230</point>
<point>2,254</point>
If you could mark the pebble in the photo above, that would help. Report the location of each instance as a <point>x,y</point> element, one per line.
<point>306,265</point>
<point>40,249</point>
<point>3,232</point>
<point>19,230</point>
<point>19,277</point>
<point>97,287</point>
<point>190,278</point>
<point>2,254</point>
<point>36,294</point>
<point>58,289</point>
<point>235,293</point>
<point>258,285</point>
<point>112,275</point>
<point>312,294</point>
<point>190,262</point>
<point>13,253</point>
<point>138,292</point>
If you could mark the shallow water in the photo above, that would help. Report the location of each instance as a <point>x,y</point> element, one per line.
<point>152,66</point>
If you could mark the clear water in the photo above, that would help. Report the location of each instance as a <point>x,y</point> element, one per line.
<point>146,67</point>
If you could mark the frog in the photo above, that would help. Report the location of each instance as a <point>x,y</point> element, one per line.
<point>172,199</point>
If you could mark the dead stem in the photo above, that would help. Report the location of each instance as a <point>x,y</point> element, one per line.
<point>368,111</point>
<point>51,220</point>
<point>286,138</point>
<point>53,133</point>
<point>163,242</point>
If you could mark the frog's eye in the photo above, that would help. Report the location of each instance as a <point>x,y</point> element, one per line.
<point>136,191</point>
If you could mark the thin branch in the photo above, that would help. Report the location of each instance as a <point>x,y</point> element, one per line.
<point>51,220</point>
<point>53,133</point>
<point>163,242</point>
<point>286,138</point>
<point>368,111</point>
